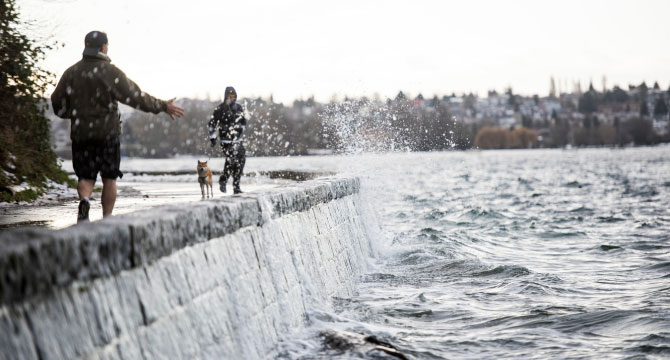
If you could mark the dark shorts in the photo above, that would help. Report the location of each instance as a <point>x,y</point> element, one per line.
<point>92,156</point>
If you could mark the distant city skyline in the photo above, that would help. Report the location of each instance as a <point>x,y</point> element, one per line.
<point>297,49</point>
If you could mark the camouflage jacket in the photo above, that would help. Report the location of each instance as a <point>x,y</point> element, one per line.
<point>88,94</point>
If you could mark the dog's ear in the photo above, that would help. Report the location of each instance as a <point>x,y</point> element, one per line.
<point>204,163</point>
<point>199,162</point>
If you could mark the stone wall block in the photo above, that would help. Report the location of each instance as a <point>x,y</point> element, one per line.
<point>152,295</point>
<point>18,340</point>
<point>160,341</point>
<point>60,325</point>
<point>103,249</point>
<point>221,220</point>
<point>35,261</point>
<point>128,314</point>
<point>174,280</point>
<point>97,301</point>
<point>245,211</point>
<point>23,265</point>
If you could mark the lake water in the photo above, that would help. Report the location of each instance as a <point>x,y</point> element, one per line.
<point>503,254</point>
<point>511,254</point>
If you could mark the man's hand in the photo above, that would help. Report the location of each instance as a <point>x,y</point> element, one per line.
<point>174,110</point>
<point>213,141</point>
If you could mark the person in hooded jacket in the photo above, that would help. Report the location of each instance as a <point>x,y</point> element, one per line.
<point>229,118</point>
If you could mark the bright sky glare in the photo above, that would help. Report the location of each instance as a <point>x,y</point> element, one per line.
<point>295,49</point>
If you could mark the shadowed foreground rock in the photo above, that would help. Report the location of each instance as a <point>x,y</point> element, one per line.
<point>360,345</point>
<point>217,279</point>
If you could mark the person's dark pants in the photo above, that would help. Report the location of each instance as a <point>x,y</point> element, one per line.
<point>235,159</point>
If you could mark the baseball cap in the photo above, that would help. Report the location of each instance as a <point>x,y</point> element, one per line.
<point>93,42</point>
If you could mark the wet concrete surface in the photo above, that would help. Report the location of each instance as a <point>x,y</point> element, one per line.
<point>131,197</point>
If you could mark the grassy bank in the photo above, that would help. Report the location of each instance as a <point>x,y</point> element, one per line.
<point>27,166</point>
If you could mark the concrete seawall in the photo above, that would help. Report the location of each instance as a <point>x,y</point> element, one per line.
<point>215,279</point>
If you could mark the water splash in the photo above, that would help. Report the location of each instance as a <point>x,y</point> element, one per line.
<point>364,126</point>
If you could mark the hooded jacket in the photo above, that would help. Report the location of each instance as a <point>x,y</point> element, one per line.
<point>88,94</point>
<point>229,119</point>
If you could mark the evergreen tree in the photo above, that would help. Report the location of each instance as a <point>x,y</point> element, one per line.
<point>644,108</point>
<point>25,149</point>
<point>512,101</point>
<point>643,91</point>
<point>588,102</point>
<point>619,95</point>
<point>661,107</point>
<point>641,131</point>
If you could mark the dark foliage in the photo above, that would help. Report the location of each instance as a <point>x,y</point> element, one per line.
<point>25,150</point>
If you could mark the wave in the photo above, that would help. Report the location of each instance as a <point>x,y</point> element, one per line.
<point>582,209</point>
<point>649,245</point>
<point>478,213</point>
<point>576,184</point>
<point>652,349</point>
<point>610,219</point>
<point>435,214</point>
<point>609,247</point>
<point>589,321</point>
<point>661,266</point>
<point>657,338</point>
<point>643,191</point>
<point>504,271</point>
<point>558,234</point>
<point>417,257</point>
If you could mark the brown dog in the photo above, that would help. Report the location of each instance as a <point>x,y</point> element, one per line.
<point>205,178</point>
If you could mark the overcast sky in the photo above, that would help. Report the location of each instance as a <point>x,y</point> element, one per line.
<point>295,49</point>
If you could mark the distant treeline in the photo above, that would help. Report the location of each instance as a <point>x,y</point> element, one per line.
<point>565,130</point>
<point>305,127</point>
<point>590,130</point>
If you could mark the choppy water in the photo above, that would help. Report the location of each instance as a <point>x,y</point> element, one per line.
<point>503,254</point>
<point>511,254</point>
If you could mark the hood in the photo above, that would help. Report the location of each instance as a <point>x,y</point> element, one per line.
<point>229,90</point>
